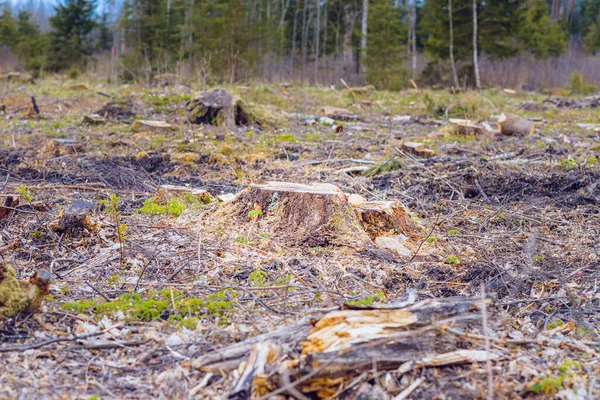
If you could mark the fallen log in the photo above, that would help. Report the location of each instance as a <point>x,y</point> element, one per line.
<point>151,126</point>
<point>512,125</point>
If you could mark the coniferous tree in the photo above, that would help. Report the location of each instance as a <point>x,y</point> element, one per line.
<point>385,43</point>
<point>71,35</point>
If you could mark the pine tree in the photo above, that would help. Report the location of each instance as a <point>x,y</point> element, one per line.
<point>542,37</point>
<point>71,35</point>
<point>385,42</point>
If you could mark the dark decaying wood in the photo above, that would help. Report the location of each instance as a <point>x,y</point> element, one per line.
<point>218,107</point>
<point>342,344</point>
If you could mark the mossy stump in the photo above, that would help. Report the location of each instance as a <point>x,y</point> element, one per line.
<point>19,296</point>
<point>318,214</point>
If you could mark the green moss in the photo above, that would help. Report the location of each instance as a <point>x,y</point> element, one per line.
<point>174,208</point>
<point>369,300</point>
<point>163,304</point>
<point>13,299</point>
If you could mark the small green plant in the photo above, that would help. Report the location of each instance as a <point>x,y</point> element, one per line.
<point>567,164</point>
<point>175,207</point>
<point>551,384</point>
<point>112,207</point>
<point>254,215</point>
<point>243,240</point>
<point>25,193</point>
<point>453,260</point>
<point>431,240</point>
<point>151,207</point>
<point>369,300</point>
<point>577,85</point>
<point>453,232</point>
<point>36,234</point>
<point>257,278</point>
<point>73,72</point>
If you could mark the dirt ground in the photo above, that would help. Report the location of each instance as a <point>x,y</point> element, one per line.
<point>518,216</point>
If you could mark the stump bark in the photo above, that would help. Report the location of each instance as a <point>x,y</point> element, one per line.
<point>220,108</point>
<point>512,125</point>
<point>315,215</point>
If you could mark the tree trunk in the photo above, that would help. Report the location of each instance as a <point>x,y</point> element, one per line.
<point>294,34</point>
<point>452,63</point>
<point>304,40</point>
<point>317,34</point>
<point>413,23</point>
<point>349,18</point>
<point>363,37</point>
<point>475,58</point>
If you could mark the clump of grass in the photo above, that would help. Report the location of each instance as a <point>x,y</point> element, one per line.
<point>390,164</point>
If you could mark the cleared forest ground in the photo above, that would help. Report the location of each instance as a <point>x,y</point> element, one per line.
<point>518,216</point>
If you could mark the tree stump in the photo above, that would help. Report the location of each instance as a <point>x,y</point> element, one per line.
<point>166,193</point>
<point>315,215</point>
<point>78,216</point>
<point>512,125</point>
<point>219,108</point>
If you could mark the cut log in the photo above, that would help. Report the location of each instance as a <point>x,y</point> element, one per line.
<point>165,80</point>
<point>77,86</point>
<point>219,108</point>
<point>512,125</point>
<point>18,77</point>
<point>77,217</point>
<point>60,147</point>
<point>465,127</point>
<point>362,89</point>
<point>418,149</point>
<point>510,91</point>
<point>151,126</point>
<point>94,119</point>
<point>166,193</point>
<point>313,215</point>
<point>338,113</point>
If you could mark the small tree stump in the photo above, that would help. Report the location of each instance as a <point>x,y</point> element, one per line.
<point>78,216</point>
<point>386,218</point>
<point>166,193</point>
<point>10,202</point>
<point>219,108</point>
<point>512,125</point>
<point>60,147</point>
<point>94,119</point>
<point>151,126</point>
<point>313,215</point>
